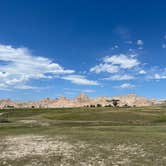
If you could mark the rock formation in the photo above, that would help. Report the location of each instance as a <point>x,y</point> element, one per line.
<point>133,100</point>
<point>81,101</point>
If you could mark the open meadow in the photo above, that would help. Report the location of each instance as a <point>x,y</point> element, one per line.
<point>83,137</point>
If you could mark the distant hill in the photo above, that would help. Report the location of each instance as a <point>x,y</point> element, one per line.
<point>83,100</point>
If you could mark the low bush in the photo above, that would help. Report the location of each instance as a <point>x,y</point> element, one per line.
<point>3,120</point>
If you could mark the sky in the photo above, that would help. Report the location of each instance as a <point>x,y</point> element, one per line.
<point>54,48</point>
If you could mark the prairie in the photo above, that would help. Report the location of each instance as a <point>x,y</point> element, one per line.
<point>83,136</point>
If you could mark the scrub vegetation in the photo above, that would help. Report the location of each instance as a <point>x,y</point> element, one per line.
<point>83,136</point>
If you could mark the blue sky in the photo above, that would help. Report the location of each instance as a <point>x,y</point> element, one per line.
<point>51,48</point>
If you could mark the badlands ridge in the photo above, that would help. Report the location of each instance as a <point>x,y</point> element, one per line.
<point>82,100</point>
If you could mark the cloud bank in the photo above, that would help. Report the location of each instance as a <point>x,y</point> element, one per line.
<point>114,63</point>
<point>18,66</point>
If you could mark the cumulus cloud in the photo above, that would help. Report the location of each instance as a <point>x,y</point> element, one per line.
<point>158,76</point>
<point>140,43</point>
<point>105,67</point>
<point>156,73</point>
<point>18,66</point>
<point>142,72</point>
<point>80,80</point>
<point>113,64</point>
<point>126,86</point>
<point>124,61</point>
<point>123,67</point>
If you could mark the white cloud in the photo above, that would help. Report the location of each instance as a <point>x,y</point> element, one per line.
<point>158,76</point>
<point>124,61</point>
<point>156,73</point>
<point>140,43</point>
<point>142,72</point>
<point>80,80</point>
<point>126,86</point>
<point>18,66</point>
<point>113,64</point>
<point>104,67</point>
<point>26,87</point>
<point>127,67</point>
<point>120,77</point>
<point>163,45</point>
<point>115,47</point>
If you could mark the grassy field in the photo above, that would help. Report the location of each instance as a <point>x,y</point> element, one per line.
<point>83,137</point>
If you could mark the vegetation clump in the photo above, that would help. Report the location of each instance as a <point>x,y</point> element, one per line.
<point>4,120</point>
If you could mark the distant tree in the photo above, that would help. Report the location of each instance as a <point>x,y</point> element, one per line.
<point>10,106</point>
<point>126,105</point>
<point>4,120</point>
<point>92,105</point>
<point>109,105</point>
<point>115,102</point>
<point>99,105</point>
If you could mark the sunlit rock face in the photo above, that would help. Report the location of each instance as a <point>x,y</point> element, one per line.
<point>82,100</point>
<point>7,103</point>
<point>133,100</point>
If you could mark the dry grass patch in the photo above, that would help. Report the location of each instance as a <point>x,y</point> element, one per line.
<point>41,150</point>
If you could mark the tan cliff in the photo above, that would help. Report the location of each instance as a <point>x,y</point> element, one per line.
<point>82,100</point>
<point>133,100</point>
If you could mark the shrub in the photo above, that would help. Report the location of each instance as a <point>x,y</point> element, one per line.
<point>3,120</point>
<point>109,105</point>
<point>99,105</point>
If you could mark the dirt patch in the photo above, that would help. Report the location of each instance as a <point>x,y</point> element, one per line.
<point>41,150</point>
<point>1,113</point>
<point>22,146</point>
<point>34,122</point>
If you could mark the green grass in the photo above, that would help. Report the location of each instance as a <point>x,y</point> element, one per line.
<point>84,118</point>
<point>145,126</point>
